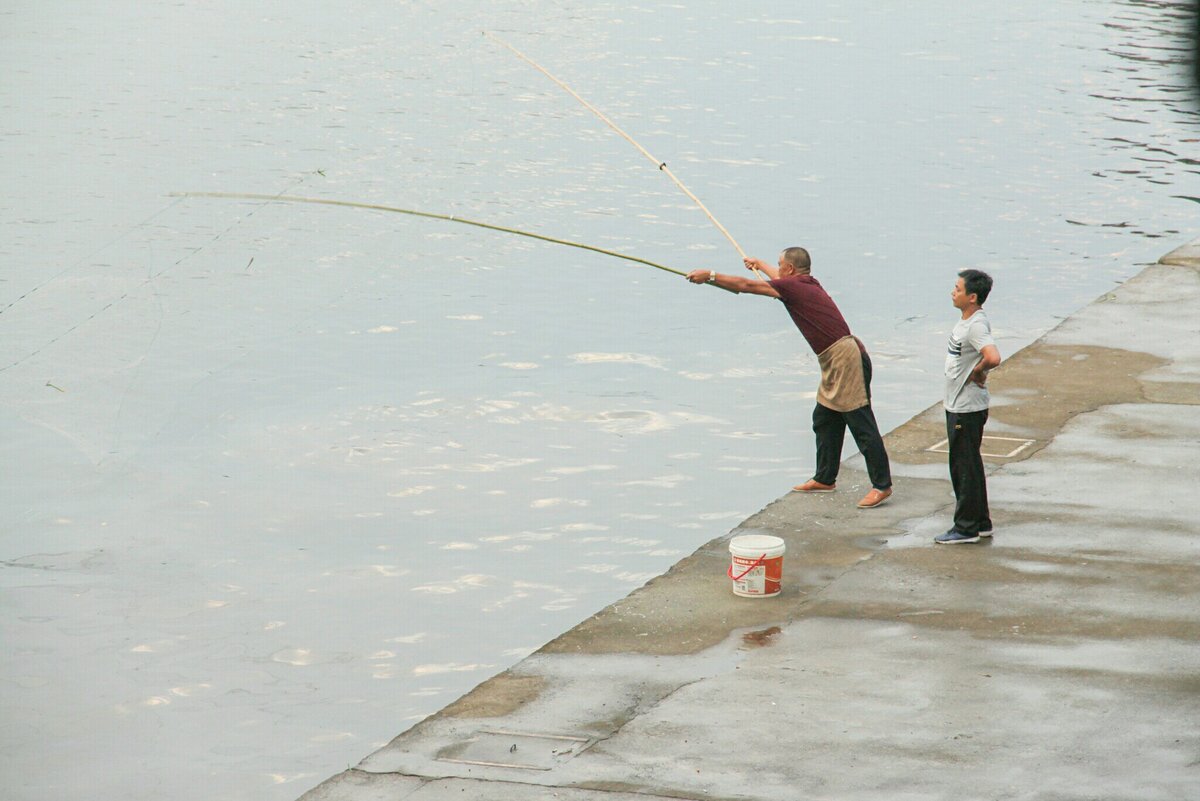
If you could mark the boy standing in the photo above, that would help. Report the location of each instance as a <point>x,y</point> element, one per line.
<point>971,355</point>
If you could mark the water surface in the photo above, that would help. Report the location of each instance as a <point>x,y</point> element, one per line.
<point>284,479</point>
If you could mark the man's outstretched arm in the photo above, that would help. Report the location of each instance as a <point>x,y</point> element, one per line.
<point>735,282</point>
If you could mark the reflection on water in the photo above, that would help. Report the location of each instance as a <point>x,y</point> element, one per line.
<point>1146,95</point>
<point>293,477</point>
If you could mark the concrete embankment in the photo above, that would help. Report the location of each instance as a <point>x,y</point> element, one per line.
<point>1059,660</point>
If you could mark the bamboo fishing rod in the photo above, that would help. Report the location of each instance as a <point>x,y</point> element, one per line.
<point>432,216</point>
<point>662,165</point>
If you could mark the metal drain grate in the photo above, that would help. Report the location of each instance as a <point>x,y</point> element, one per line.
<point>515,749</point>
<point>1015,445</point>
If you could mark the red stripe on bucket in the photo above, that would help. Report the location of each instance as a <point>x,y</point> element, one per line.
<point>742,575</point>
<point>765,585</point>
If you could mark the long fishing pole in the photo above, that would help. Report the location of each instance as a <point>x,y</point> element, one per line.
<point>430,215</point>
<point>662,165</point>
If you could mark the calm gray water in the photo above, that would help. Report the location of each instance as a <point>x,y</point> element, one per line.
<point>280,480</point>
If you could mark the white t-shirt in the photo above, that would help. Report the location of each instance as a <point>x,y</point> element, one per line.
<point>967,341</point>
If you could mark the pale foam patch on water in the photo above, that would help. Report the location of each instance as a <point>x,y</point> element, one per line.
<point>514,412</point>
<point>721,515</point>
<point>615,572</point>
<point>745,162</point>
<point>622,549</point>
<point>671,481</point>
<point>631,577</point>
<point>744,434</point>
<point>519,365</point>
<point>635,421</point>
<point>519,653</point>
<point>632,542</point>
<point>546,503</point>
<point>385,670</point>
<point>449,667</point>
<point>370,571</point>
<point>471,581</point>
<point>409,492</point>
<point>496,405</point>
<point>549,596</point>
<point>597,568</point>
<point>523,536</point>
<point>618,358</point>
<point>288,778</point>
<point>471,467</point>
<point>569,471</point>
<point>304,657</point>
<point>408,639</point>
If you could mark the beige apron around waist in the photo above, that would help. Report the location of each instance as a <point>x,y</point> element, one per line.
<point>843,385</point>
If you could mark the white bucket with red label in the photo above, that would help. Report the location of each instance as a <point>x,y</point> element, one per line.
<point>756,565</point>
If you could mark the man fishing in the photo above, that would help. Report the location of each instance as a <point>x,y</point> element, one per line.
<point>844,397</point>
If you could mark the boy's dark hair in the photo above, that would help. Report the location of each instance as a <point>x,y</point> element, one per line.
<point>977,283</point>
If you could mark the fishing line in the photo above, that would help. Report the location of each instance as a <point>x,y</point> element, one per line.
<point>432,216</point>
<point>90,255</point>
<point>662,165</point>
<point>148,280</point>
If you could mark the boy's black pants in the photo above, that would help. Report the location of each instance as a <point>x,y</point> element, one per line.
<point>964,430</point>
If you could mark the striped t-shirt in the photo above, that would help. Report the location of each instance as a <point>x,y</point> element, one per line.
<point>963,352</point>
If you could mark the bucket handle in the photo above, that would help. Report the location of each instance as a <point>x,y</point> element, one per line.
<point>762,559</point>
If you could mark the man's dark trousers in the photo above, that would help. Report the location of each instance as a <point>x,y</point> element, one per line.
<point>964,430</point>
<point>830,428</point>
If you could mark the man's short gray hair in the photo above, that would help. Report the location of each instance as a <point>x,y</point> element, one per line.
<point>798,257</point>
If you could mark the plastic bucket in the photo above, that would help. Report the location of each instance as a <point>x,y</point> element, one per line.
<point>756,565</point>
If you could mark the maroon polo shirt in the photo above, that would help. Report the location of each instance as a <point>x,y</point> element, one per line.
<point>812,310</point>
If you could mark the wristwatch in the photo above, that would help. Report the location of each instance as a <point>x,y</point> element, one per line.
<point>712,277</point>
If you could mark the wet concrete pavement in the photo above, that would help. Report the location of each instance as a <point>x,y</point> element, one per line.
<point>1059,660</point>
